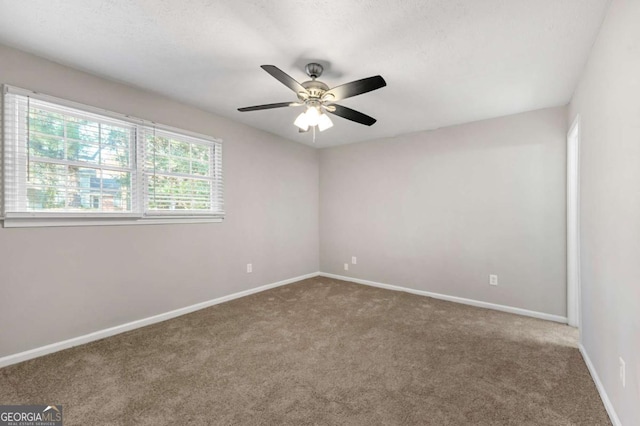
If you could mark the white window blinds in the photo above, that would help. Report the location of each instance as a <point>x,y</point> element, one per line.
<point>183,174</point>
<point>62,159</point>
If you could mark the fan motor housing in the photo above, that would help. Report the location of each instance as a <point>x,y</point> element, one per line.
<point>315,88</point>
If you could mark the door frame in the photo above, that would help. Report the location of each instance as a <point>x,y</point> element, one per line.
<point>574,311</point>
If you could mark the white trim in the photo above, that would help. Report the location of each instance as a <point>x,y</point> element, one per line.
<point>89,221</point>
<point>477,303</point>
<point>101,334</point>
<point>603,393</point>
<point>573,224</point>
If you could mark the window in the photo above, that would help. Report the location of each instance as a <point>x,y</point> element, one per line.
<point>68,161</point>
<point>180,174</point>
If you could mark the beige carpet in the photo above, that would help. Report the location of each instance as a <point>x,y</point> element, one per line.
<point>321,352</point>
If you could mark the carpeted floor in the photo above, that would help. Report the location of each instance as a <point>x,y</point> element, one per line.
<point>321,352</point>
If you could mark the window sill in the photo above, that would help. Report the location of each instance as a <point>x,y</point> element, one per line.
<point>39,222</point>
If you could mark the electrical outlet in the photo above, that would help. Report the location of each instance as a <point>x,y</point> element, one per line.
<point>622,372</point>
<point>493,280</point>
<point>346,266</point>
<point>249,268</point>
<point>354,260</point>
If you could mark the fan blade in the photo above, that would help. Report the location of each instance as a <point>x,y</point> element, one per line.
<point>269,106</point>
<point>353,115</point>
<point>355,88</point>
<point>284,78</point>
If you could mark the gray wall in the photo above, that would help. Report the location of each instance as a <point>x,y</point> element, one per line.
<point>608,101</point>
<point>59,283</point>
<point>439,211</point>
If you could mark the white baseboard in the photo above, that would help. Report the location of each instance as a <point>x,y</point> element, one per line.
<point>603,394</point>
<point>477,303</point>
<point>101,334</point>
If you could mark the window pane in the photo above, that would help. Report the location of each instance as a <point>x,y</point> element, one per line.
<point>79,187</point>
<point>116,145</point>
<point>98,143</point>
<point>83,152</point>
<point>168,155</point>
<point>83,130</point>
<point>179,149</point>
<point>200,152</point>
<point>57,135</point>
<point>180,165</point>
<point>46,186</point>
<point>179,173</point>
<point>46,122</point>
<point>70,188</point>
<point>198,168</point>
<point>201,195</point>
<point>173,193</point>
<point>116,191</point>
<point>45,146</point>
<point>157,154</point>
<point>59,144</point>
<point>44,198</point>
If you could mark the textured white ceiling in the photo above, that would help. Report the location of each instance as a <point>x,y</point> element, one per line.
<point>445,61</point>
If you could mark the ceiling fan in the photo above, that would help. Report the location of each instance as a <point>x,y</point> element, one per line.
<point>318,98</point>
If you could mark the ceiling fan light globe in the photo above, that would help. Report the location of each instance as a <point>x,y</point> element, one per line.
<point>302,122</point>
<point>313,116</point>
<point>324,122</point>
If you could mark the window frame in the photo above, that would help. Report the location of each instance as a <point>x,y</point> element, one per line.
<point>139,214</point>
